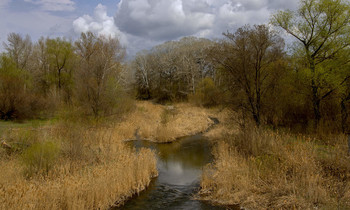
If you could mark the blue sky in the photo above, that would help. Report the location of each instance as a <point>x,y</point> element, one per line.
<point>46,17</point>
<point>139,24</point>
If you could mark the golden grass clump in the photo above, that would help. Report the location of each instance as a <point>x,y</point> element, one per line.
<point>227,124</point>
<point>94,170</point>
<point>266,170</point>
<point>160,123</point>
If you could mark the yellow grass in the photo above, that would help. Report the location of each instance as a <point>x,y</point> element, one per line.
<point>104,173</point>
<point>182,120</point>
<point>227,124</point>
<point>265,170</point>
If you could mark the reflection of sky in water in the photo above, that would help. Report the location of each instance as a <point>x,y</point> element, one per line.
<point>180,166</point>
<point>173,172</point>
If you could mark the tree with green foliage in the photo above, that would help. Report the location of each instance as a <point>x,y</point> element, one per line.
<point>61,59</point>
<point>322,31</point>
<point>14,90</point>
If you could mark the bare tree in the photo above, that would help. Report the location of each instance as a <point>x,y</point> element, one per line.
<point>100,63</point>
<point>172,70</point>
<point>19,49</point>
<point>246,57</point>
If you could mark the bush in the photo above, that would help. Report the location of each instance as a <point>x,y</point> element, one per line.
<point>40,158</point>
<point>206,93</point>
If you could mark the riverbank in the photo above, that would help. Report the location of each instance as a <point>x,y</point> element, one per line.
<point>71,167</point>
<point>263,169</point>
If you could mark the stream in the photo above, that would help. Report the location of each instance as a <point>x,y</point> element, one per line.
<point>180,166</point>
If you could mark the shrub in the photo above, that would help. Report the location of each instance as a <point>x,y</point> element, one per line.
<point>40,158</point>
<point>206,93</point>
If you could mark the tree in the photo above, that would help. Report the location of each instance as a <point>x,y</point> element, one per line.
<point>206,93</point>
<point>14,96</point>
<point>99,67</point>
<point>171,71</point>
<point>19,49</point>
<point>41,67</point>
<point>322,31</point>
<point>247,59</point>
<point>144,74</point>
<point>61,57</point>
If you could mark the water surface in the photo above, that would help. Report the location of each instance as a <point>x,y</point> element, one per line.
<point>179,165</point>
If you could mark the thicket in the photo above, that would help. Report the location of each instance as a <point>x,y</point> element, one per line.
<point>39,79</point>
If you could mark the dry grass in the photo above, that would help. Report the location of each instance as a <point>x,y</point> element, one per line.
<point>266,170</point>
<point>225,127</point>
<point>95,170</point>
<point>160,123</point>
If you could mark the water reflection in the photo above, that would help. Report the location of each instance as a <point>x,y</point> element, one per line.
<point>179,164</point>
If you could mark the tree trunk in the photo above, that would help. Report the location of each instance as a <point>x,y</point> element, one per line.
<point>257,118</point>
<point>316,106</point>
<point>315,98</point>
<point>59,79</point>
<point>344,116</point>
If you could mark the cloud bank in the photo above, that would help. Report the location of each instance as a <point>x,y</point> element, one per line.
<point>143,23</point>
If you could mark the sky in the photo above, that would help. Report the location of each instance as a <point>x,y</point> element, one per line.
<point>138,24</point>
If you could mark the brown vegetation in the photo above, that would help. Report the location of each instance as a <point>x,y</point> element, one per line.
<point>93,170</point>
<point>160,123</point>
<point>263,169</point>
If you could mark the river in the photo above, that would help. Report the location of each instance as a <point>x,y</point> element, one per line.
<point>180,166</point>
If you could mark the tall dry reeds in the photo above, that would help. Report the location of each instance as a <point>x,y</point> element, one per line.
<point>165,123</point>
<point>94,170</point>
<point>263,169</point>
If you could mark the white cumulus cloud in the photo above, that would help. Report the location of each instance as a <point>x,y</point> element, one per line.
<point>162,20</point>
<point>148,22</point>
<point>100,23</point>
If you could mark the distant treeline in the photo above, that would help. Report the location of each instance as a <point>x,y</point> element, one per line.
<point>302,86</point>
<point>38,78</point>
